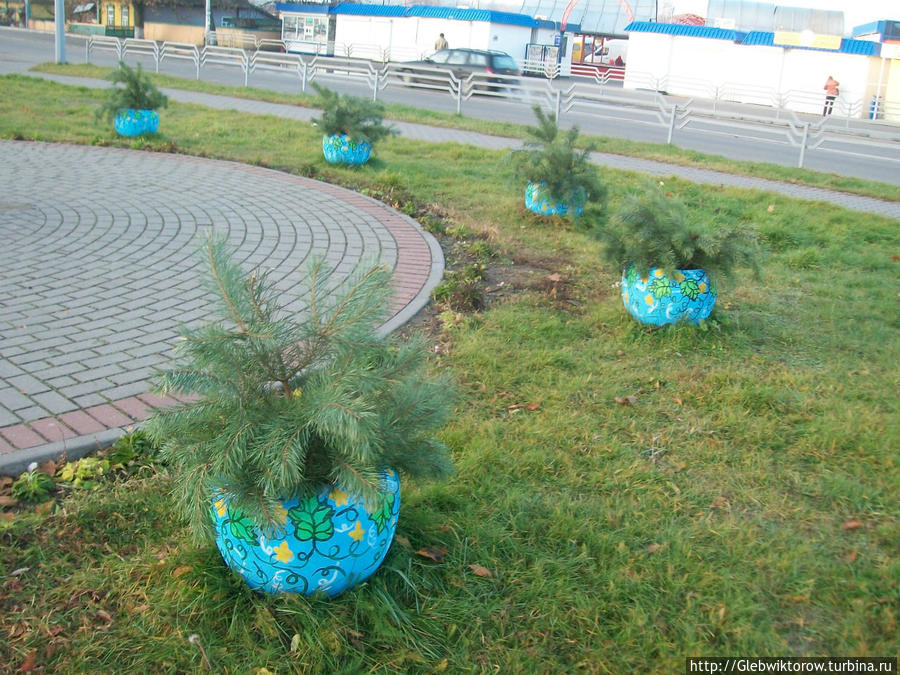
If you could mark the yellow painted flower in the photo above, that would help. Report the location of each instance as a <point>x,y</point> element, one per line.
<point>679,276</point>
<point>648,298</point>
<point>282,514</point>
<point>625,295</point>
<point>339,496</point>
<point>658,273</point>
<point>220,508</point>
<point>283,553</point>
<point>358,532</point>
<point>702,287</point>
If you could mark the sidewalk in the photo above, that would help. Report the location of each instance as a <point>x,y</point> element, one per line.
<point>99,268</point>
<point>108,259</point>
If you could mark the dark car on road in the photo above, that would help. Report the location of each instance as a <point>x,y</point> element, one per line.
<point>461,62</point>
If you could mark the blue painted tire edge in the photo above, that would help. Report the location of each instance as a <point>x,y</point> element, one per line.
<point>328,542</point>
<point>658,300</point>
<point>342,149</point>
<point>537,202</point>
<point>132,122</point>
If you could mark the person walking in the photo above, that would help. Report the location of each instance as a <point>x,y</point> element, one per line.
<point>831,93</point>
<point>440,43</point>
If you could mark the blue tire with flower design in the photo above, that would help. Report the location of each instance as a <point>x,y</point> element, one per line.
<point>327,543</point>
<point>658,300</point>
<point>342,149</point>
<point>136,122</point>
<point>538,201</point>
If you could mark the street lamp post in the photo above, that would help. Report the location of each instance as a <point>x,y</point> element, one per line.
<point>59,10</point>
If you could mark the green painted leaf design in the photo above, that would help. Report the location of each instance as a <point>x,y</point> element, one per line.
<point>312,520</point>
<point>690,288</point>
<point>660,287</point>
<point>383,514</point>
<point>241,526</point>
<point>631,274</point>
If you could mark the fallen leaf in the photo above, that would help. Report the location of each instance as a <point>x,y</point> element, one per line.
<point>28,664</point>
<point>771,208</point>
<point>141,608</point>
<point>436,554</point>
<point>533,406</point>
<point>403,541</point>
<point>555,277</point>
<point>654,548</point>
<point>895,258</point>
<point>679,466</point>
<point>19,571</point>
<point>626,400</point>
<point>184,569</point>
<point>49,467</point>
<point>678,401</point>
<point>103,614</point>
<point>851,557</point>
<point>44,508</point>
<point>7,517</point>
<point>295,642</point>
<point>852,524</point>
<point>719,502</point>
<point>8,501</point>
<point>480,571</point>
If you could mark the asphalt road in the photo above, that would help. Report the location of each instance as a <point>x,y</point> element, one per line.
<point>869,158</point>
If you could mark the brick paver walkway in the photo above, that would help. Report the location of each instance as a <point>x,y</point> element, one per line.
<point>99,266</point>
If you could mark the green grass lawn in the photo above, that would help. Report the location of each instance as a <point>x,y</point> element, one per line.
<point>651,151</point>
<point>739,498</point>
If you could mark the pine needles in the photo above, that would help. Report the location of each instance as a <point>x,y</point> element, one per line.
<point>138,93</point>
<point>283,403</point>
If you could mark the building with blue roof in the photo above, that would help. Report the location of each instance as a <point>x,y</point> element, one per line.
<point>407,33</point>
<point>737,60</point>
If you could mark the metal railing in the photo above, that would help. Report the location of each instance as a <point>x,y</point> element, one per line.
<point>711,110</point>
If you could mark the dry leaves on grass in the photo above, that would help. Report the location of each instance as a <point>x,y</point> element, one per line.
<point>480,571</point>
<point>631,399</point>
<point>435,553</point>
<point>852,524</point>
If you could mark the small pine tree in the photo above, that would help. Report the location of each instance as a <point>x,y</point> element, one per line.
<point>283,403</point>
<point>654,229</point>
<point>139,93</point>
<point>550,156</point>
<point>359,118</point>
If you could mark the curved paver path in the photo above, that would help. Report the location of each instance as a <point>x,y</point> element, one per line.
<point>99,266</point>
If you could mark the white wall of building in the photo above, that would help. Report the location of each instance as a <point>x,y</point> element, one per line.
<point>711,68</point>
<point>411,38</point>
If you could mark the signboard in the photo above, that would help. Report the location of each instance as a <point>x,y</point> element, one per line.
<point>807,39</point>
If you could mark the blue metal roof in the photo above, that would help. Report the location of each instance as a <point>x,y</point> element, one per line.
<point>357,9</point>
<point>686,31</point>
<point>425,12</point>
<point>848,46</point>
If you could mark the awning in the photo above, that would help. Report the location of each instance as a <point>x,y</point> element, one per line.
<point>86,7</point>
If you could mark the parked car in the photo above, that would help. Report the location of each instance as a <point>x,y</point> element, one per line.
<point>460,62</point>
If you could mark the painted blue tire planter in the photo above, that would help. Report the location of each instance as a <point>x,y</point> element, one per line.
<point>538,201</point>
<point>136,122</point>
<point>329,542</point>
<point>658,300</point>
<point>342,149</point>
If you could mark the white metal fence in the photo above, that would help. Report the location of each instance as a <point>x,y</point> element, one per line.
<point>711,112</point>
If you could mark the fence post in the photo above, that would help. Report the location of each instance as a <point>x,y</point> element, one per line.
<point>458,96</point>
<point>303,75</point>
<point>672,124</point>
<point>245,63</point>
<point>375,88</point>
<point>87,50</point>
<point>558,104</point>
<point>803,145</point>
<point>156,54</point>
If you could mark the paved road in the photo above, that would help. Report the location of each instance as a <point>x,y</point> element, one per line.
<point>869,159</point>
<point>98,268</point>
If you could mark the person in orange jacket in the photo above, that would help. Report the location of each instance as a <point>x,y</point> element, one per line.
<point>831,93</point>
